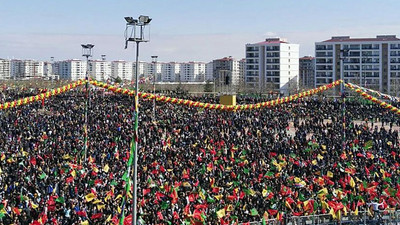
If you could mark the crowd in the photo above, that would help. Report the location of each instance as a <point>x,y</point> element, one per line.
<point>194,166</point>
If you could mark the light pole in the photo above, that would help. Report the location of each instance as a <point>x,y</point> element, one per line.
<point>343,54</point>
<point>154,61</point>
<point>138,36</point>
<point>86,52</point>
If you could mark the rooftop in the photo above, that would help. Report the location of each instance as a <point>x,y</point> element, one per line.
<point>377,38</point>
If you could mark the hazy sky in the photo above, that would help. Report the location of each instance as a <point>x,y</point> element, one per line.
<point>183,30</point>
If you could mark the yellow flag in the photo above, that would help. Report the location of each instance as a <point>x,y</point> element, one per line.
<point>118,196</point>
<point>352,183</point>
<point>101,207</point>
<point>221,213</point>
<point>202,195</point>
<point>218,197</point>
<point>119,209</point>
<point>264,192</point>
<point>356,211</point>
<point>229,208</point>
<point>34,206</point>
<point>90,197</point>
<point>108,218</point>
<point>252,192</point>
<point>314,162</point>
<point>97,201</point>
<point>106,168</point>
<point>85,222</point>
<point>73,173</point>
<point>332,213</point>
<point>329,174</point>
<point>67,156</point>
<point>320,157</point>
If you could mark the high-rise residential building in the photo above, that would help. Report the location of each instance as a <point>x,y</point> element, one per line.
<point>227,71</point>
<point>306,72</point>
<point>122,69</point>
<point>5,69</point>
<point>370,62</point>
<point>170,72</point>
<point>209,71</point>
<point>25,69</point>
<point>242,68</point>
<point>272,64</point>
<point>100,69</point>
<point>144,69</point>
<point>73,69</point>
<point>192,72</point>
<point>154,70</point>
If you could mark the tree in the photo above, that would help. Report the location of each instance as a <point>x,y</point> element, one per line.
<point>118,80</point>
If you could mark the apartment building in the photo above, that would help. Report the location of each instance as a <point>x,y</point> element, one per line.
<point>193,72</point>
<point>73,69</point>
<point>100,69</point>
<point>227,71</point>
<point>272,65</point>
<point>306,72</point>
<point>5,69</point>
<point>370,62</point>
<point>25,69</point>
<point>122,69</point>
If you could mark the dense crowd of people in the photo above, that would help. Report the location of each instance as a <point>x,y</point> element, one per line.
<point>194,166</point>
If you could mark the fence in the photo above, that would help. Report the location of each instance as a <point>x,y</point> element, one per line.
<point>387,217</point>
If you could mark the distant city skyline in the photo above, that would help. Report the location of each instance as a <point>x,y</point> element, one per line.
<point>183,30</point>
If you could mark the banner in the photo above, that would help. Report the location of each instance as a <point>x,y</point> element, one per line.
<point>216,106</point>
<point>373,99</point>
<point>42,96</point>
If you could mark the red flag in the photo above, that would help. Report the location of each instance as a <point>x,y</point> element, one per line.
<point>160,216</point>
<point>128,220</point>
<point>176,216</point>
<point>96,216</point>
<point>16,211</point>
<point>69,180</point>
<point>146,191</point>
<point>33,161</point>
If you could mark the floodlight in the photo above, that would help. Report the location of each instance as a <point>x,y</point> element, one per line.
<point>144,19</point>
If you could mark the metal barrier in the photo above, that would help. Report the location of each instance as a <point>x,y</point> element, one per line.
<point>386,217</point>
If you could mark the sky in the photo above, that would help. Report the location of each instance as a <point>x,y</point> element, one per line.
<point>183,30</point>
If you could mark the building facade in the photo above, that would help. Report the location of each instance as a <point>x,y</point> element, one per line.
<point>100,69</point>
<point>122,69</point>
<point>370,62</point>
<point>227,71</point>
<point>272,65</point>
<point>170,72</point>
<point>5,69</point>
<point>306,72</point>
<point>193,72</point>
<point>73,69</point>
<point>25,69</point>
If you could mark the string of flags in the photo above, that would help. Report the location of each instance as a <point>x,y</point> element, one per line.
<point>377,93</point>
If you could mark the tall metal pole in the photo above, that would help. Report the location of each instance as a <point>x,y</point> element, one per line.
<point>86,105</point>
<point>342,57</point>
<point>136,137</point>
<point>154,85</point>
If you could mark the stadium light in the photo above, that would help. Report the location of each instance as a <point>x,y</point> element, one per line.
<point>86,52</point>
<point>136,36</point>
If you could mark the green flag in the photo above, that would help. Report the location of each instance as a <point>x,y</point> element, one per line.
<point>164,205</point>
<point>60,200</point>
<point>253,212</point>
<point>43,175</point>
<point>246,171</point>
<point>113,183</point>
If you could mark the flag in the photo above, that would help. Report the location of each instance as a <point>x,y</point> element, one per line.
<point>16,211</point>
<point>85,222</point>
<point>253,212</point>
<point>43,175</point>
<point>60,199</point>
<point>90,197</point>
<point>96,216</point>
<point>329,174</point>
<point>221,213</point>
<point>106,168</point>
